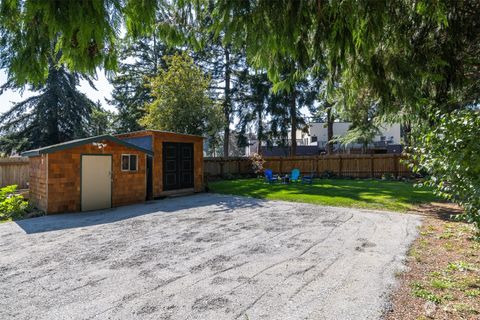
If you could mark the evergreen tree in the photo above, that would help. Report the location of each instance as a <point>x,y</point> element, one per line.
<point>298,90</point>
<point>101,121</point>
<point>140,61</point>
<point>58,113</point>
<point>253,99</point>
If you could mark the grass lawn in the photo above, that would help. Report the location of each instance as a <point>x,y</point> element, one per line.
<point>368,194</point>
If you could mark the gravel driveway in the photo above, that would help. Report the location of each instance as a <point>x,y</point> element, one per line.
<point>203,257</point>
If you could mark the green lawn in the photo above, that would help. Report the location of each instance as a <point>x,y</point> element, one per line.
<point>369,194</point>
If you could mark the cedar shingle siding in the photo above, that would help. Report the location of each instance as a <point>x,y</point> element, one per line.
<point>38,182</point>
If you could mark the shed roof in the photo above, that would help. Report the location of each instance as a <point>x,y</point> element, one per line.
<point>80,142</point>
<point>158,131</point>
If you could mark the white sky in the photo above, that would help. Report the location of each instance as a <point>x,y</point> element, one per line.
<point>104,89</point>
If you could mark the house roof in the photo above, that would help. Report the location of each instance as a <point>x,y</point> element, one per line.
<point>80,142</point>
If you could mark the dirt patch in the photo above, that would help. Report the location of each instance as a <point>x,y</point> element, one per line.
<point>442,280</point>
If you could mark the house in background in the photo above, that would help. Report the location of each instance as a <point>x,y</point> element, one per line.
<point>387,141</point>
<point>314,141</point>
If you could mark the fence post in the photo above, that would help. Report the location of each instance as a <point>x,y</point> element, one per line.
<point>372,170</point>
<point>340,166</point>
<point>221,167</point>
<point>238,165</point>
<point>396,161</point>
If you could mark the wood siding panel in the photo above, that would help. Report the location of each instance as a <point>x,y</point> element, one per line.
<point>38,182</point>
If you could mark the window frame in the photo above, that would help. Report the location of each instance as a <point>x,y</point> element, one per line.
<point>129,155</point>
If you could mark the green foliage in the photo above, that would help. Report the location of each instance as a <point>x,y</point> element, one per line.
<point>101,121</point>
<point>12,206</point>
<point>419,291</point>
<point>85,32</point>
<point>58,113</point>
<point>449,152</point>
<point>181,102</point>
<point>363,134</point>
<point>140,60</point>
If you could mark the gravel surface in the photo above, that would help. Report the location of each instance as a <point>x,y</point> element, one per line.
<point>204,257</point>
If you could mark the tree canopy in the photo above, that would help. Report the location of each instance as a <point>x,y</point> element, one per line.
<point>180,99</point>
<point>58,113</point>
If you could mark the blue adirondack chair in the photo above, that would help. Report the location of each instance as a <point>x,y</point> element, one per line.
<point>295,176</point>
<point>269,177</point>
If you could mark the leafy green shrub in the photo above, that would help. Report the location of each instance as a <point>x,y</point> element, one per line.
<point>388,176</point>
<point>11,205</point>
<point>449,151</point>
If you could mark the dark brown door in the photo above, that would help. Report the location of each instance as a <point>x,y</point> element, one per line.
<point>149,177</point>
<point>177,165</point>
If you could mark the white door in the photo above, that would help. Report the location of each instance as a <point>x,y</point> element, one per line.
<point>96,188</point>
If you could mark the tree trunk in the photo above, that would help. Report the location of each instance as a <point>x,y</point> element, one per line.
<point>259,131</point>
<point>293,119</point>
<point>407,134</point>
<point>227,104</point>
<point>330,120</point>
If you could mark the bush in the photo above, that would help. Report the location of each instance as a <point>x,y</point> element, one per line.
<point>449,152</point>
<point>12,205</point>
<point>327,174</point>
<point>388,176</point>
<point>257,163</point>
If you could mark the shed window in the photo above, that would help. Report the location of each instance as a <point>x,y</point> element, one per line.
<point>129,162</point>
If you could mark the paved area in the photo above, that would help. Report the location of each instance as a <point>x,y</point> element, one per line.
<point>203,257</point>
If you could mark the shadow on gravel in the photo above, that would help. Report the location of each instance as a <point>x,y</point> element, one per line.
<point>221,203</point>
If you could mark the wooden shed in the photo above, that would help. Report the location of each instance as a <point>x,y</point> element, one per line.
<point>106,171</point>
<point>87,174</point>
<point>177,164</point>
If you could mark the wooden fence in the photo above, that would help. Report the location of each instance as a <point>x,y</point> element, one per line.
<point>360,166</point>
<point>14,171</point>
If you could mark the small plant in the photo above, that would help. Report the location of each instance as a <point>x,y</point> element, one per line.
<point>388,176</point>
<point>460,266</point>
<point>327,174</point>
<point>419,291</point>
<point>12,205</point>
<point>441,284</point>
<point>257,163</point>
<point>473,293</point>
